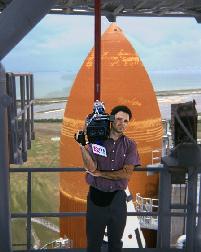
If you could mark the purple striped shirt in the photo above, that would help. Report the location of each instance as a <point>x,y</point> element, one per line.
<point>121,152</point>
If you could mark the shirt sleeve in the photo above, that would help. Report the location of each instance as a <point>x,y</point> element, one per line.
<point>124,173</point>
<point>132,155</point>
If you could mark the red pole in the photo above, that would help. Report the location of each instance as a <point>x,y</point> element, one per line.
<point>97,54</point>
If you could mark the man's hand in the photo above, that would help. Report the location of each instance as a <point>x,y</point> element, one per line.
<point>80,137</point>
<point>96,173</point>
<point>89,164</point>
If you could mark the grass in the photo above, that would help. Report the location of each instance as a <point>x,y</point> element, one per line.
<point>45,186</point>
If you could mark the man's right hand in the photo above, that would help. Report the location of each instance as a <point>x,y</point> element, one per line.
<point>80,137</point>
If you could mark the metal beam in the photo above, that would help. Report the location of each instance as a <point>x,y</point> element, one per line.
<point>103,250</point>
<point>97,51</point>
<point>5,231</point>
<point>194,7</point>
<point>198,227</point>
<point>164,218</point>
<point>191,209</point>
<point>18,19</point>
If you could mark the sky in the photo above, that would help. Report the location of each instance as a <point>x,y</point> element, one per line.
<point>54,50</point>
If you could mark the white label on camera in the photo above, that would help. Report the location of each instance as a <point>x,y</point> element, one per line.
<point>99,150</point>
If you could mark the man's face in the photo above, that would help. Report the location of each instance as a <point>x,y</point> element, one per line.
<point>121,121</point>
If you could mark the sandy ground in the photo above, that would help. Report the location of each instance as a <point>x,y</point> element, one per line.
<point>47,128</point>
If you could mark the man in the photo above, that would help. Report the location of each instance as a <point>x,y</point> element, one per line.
<point>107,176</point>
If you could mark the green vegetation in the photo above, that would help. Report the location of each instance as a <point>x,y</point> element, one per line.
<point>47,120</point>
<point>44,101</point>
<point>45,186</point>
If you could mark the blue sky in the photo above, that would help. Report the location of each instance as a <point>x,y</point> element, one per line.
<point>54,50</point>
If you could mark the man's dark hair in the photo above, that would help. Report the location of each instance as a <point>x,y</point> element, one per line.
<point>122,108</point>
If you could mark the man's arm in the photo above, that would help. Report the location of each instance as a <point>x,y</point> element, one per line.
<point>124,173</point>
<point>132,160</point>
<point>89,163</point>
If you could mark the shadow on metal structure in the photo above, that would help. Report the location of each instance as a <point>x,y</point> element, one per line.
<point>5,231</point>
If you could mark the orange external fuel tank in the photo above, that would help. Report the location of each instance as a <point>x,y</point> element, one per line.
<point>124,80</point>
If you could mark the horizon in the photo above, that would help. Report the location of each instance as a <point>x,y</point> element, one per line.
<point>158,93</point>
<point>55,49</point>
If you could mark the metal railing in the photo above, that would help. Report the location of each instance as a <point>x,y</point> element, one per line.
<point>143,204</point>
<point>20,89</point>
<point>164,211</point>
<point>16,133</point>
<point>156,156</point>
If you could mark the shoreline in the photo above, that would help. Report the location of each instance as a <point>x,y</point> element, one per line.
<point>175,92</point>
<point>53,108</point>
<point>197,91</point>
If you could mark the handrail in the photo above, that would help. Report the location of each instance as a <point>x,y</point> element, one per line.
<point>76,169</point>
<point>160,213</point>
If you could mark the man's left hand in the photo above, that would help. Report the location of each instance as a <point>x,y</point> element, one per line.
<point>96,173</point>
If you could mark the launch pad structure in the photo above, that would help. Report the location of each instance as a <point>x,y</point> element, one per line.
<point>17,18</point>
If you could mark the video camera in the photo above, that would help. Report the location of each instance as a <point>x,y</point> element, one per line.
<point>97,125</point>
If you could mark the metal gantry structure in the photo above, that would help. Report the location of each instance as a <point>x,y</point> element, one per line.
<point>114,8</point>
<point>20,115</point>
<point>17,131</point>
<point>16,123</point>
<point>171,171</point>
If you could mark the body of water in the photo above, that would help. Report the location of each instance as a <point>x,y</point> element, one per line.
<point>55,109</point>
<point>175,80</point>
<point>58,84</point>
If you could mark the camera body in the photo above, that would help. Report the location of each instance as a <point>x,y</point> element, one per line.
<point>98,123</point>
